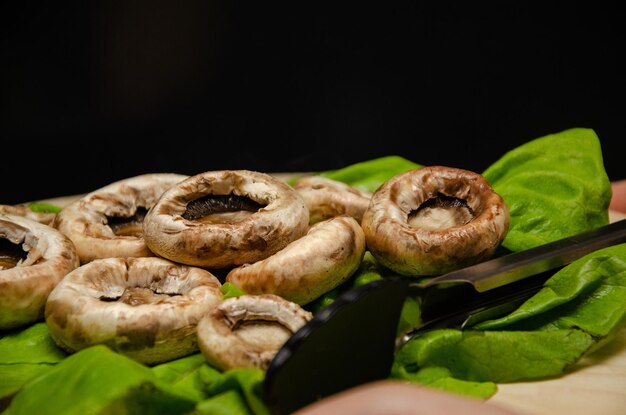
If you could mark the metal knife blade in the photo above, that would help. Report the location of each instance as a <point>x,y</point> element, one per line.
<point>519,265</point>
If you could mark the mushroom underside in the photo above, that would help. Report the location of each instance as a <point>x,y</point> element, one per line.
<point>34,257</point>
<point>248,330</point>
<point>108,222</point>
<point>433,220</point>
<point>10,254</point>
<point>220,219</point>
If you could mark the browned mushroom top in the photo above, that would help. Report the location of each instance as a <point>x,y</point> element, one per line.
<point>327,198</point>
<point>224,218</point>
<point>33,258</point>
<point>248,330</point>
<point>107,222</point>
<point>433,220</point>
<point>145,308</point>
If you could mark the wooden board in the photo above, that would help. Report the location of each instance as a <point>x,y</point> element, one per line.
<point>595,385</point>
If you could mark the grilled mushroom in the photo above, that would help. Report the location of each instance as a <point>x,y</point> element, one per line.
<point>107,223</point>
<point>433,220</point>
<point>25,211</point>
<point>326,256</point>
<point>248,330</point>
<point>225,218</point>
<point>33,259</point>
<point>144,308</point>
<point>327,198</point>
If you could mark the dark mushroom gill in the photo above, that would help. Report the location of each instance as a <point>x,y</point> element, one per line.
<point>135,296</point>
<point>128,226</point>
<point>220,208</point>
<point>10,254</point>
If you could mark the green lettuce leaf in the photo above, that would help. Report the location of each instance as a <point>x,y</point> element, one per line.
<point>369,175</point>
<point>230,402</point>
<point>97,380</point>
<point>185,376</point>
<point>41,207</point>
<point>580,307</point>
<point>24,355</point>
<point>30,345</point>
<point>555,186</point>
<point>15,376</point>
<point>492,356</point>
<point>438,377</point>
<point>247,383</point>
<point>589,294</point>
<point>229,290</point>
<point>231,392</point>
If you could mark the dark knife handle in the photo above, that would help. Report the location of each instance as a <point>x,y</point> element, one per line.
<point>350,342</point>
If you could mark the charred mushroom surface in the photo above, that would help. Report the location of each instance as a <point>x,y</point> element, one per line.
<point>327,198</point>
<point>225,218</point>
<point>248,330</point>
<point>433,220</point>
<point>107,223</point>
<point>33,259</point>
<point>144,308</point>
<point>308,267</point>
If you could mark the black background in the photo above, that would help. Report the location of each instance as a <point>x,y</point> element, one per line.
<point>99,91</point>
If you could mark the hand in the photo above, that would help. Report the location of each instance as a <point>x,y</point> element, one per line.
<point>618,201</point>
<point>394,397</point>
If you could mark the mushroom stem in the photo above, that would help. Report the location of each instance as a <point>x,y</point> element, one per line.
<point>248,330</point>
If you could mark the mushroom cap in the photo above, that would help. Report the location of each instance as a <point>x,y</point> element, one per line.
<point>86,220</point>
<point>144,308</point>
<point>248,330</point>
<point>282,218</point>
<point>25,287</point>
<point>327,198</point>
<point>422,249</point>
<point>308,267</point>
<point>23,210</point>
